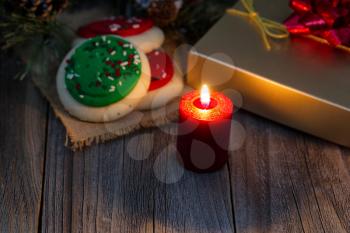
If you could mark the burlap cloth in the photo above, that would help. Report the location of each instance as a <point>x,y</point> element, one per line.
<point>81,134</point>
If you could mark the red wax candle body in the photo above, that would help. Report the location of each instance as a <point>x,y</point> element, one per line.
<point>204,132</point>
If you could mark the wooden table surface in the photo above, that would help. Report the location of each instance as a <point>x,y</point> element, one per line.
<point>280,180</point>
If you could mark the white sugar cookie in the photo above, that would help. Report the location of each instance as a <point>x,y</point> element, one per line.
<point>91,99</point>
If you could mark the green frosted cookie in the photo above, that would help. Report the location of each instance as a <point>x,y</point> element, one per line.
<point>102,71</point>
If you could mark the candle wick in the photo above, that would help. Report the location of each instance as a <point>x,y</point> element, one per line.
<point>205,105</point>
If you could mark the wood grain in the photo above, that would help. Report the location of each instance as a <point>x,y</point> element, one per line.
<point>99,190</point>
<point>285,182</point>
<point>22,146</point>
<point>331,183</point>
<point>136,185</point>
<point>121,187</point>
<point>192,202</point>
<point>57,192</point>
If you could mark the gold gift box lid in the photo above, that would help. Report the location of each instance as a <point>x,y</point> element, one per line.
<point>299,82</point>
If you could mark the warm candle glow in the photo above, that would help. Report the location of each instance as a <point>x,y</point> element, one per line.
<point>204,117</point>
<point>205,96</point>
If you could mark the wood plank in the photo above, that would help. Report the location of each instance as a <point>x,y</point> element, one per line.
<point>330,177</point>
<point>58,185</point>
<point>22,146</point>
<point>346,157</point>
<point>192,202</point>
<point>101,189</point>
<point>270,180</point>
<point>117,187</point>
<point>274,176</point>
<point>133,198</point>
<point>79,186</point>
<point>135,185</point>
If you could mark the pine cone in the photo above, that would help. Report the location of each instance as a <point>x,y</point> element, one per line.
<point>163,12</point>
<point>37,8</point>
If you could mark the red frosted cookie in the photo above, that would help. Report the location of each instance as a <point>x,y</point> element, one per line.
<point>117,26</point>
<point>166,82</point>
<point>141,32</point>
<point>162,69</point>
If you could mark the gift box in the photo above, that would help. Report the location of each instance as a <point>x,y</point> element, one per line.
<point>300,82</point>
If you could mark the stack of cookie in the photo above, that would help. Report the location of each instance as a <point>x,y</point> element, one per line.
<point>117,66</point>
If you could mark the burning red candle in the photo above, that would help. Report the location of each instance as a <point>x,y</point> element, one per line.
<point>204,130</point>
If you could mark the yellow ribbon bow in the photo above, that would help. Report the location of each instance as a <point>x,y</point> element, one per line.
<point>268,28</point>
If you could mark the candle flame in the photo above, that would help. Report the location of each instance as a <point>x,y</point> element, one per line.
<point>205,96</point>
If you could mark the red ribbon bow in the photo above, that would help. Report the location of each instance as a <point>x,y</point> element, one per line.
<point>327,19</point>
